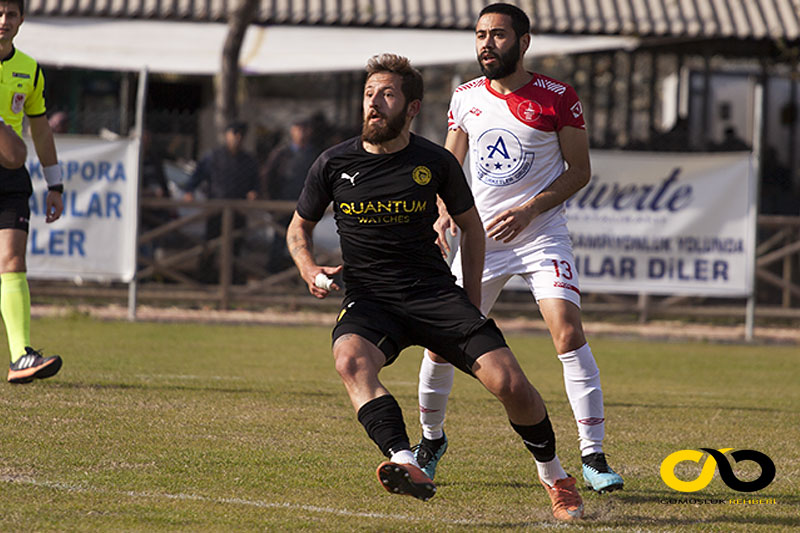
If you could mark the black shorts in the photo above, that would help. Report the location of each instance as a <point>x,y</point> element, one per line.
<point>15,211</point>
<point>15,181</point>
<point>440,319</point>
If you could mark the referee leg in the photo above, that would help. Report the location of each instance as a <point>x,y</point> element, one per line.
<point>14,292</point>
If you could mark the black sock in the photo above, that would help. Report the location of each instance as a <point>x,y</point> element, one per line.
<point>435,443</point>
<point>539,439</point>
<point>383,420</point>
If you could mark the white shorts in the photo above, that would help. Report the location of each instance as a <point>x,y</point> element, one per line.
<point>548,269</point>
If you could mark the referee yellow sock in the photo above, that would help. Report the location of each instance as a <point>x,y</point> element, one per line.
<point>15,306</point>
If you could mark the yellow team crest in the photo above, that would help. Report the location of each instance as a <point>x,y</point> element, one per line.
<point>422,175</point>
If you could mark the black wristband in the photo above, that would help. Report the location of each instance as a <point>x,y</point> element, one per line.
<point>57,188</point>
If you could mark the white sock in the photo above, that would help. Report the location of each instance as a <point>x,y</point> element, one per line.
<point>435,384</point>
<point>551,471</point>
<point>404,457</point>
<point>582,381</point>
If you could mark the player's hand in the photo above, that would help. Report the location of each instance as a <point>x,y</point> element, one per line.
<point>442,225</point>
<point>508,224</point>
<point>54,206</point>
<point>318,289</point>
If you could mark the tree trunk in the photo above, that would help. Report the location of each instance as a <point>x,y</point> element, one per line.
<point>226,108</point>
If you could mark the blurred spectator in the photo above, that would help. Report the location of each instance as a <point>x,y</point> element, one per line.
<point>154,181</point>
<point>282,178</point>
<point>228,172</point>
<point>731,142</point>
<point>321,131</point>
<point>59,122</point>
<point>154,185</point>
<point>777,194</point>
<point>674,140</point>
<point>285,170</point>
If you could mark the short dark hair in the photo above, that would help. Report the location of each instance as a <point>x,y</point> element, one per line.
<point>412,85</point>
<point>520,22</point>
<point>237,126</point>
<point>20,5</point>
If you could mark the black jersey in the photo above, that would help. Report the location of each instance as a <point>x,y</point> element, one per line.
<point>385,206</point>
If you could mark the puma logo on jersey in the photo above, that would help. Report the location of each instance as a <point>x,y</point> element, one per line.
<point>346,176</point>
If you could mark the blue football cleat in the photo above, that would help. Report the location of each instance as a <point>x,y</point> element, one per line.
<point>427,454</point>
<point>598,475</point>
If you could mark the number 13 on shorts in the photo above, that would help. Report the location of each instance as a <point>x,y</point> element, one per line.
<point>563,269</point>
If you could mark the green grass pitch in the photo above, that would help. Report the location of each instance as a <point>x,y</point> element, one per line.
<point>196,427</point>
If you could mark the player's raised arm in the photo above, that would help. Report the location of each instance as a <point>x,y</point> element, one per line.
<point>300,241</point>
<point>473,252</point>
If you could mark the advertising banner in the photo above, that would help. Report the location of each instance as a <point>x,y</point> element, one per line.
<point>95,238</point>
<point>658,223</point>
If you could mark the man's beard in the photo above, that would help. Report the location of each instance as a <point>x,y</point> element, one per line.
<point>379,133</point>
<point>505,64</point>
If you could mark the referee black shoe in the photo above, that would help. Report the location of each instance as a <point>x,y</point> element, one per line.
<point>32,366</point>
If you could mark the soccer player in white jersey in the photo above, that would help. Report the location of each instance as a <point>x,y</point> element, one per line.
<point>520,128</point>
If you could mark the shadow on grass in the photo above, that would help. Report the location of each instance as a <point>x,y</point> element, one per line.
<point>617,516</point>
<point>672,498</point>
<point>636,523</point>
<point>489,484</point>
<point>151,386</point>
<point>180,387</point>
<point>688,406</point>
<point>630,522</point>
<point>686,503</point>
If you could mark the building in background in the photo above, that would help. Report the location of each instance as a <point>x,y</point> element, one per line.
<point>641,68</point>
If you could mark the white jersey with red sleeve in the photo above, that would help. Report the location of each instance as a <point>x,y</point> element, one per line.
<point>514,149</point>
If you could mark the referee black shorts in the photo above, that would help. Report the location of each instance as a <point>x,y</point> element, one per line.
<point>441,319</point>
<point>15,211</point>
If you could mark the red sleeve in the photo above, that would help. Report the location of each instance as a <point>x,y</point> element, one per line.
<point>570,111</point>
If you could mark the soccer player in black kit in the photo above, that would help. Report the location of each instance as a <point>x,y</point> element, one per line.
<point>399,290</point>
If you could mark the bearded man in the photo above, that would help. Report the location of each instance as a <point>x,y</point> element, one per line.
<point>529,153</point>
<point>399,289</point>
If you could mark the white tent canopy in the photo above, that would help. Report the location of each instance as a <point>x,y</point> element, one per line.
<point>196,48</point>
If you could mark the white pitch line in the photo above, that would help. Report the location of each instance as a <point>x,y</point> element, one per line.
<point>237,501</point>
<point>285,505</point>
